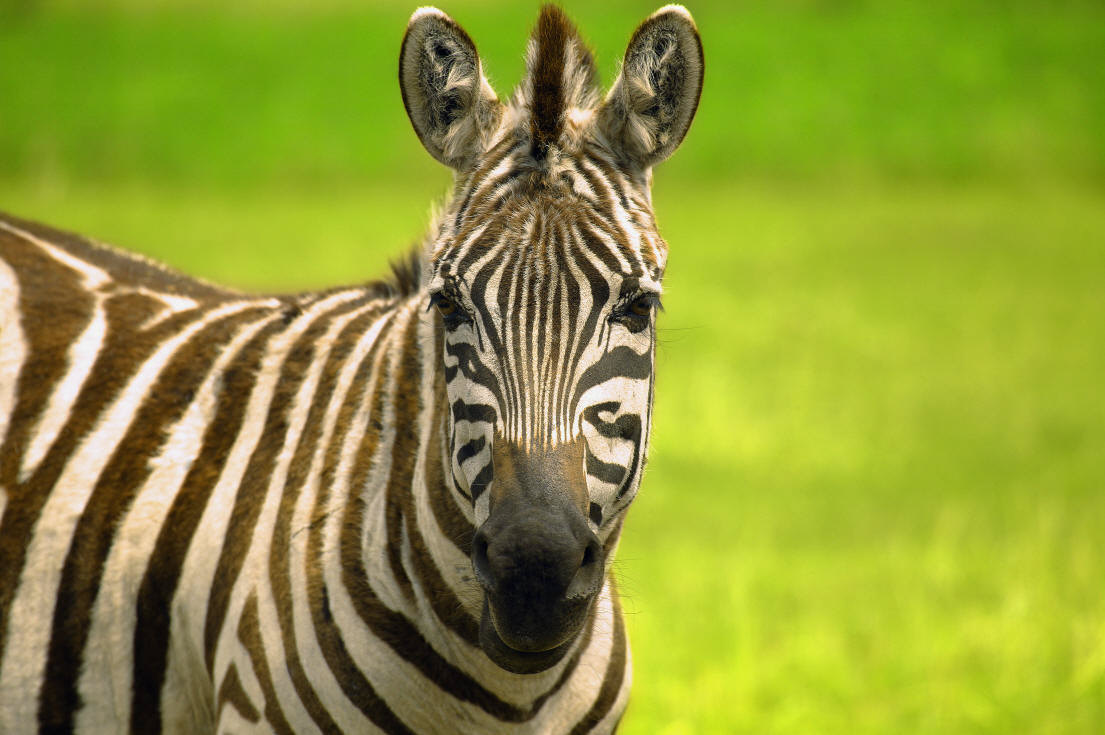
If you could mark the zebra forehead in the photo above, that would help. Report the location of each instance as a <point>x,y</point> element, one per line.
<point>554,237</point>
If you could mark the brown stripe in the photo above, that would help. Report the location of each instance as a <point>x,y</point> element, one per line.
<point>249,633</point>
<point>255,481</point>
<point>159,583</point>
<point>516,395</point>
<point>470,185</point>
<point>537,319</point>
<point>442,599</point>
<point>280,547</point>
<point>592,228</point>
<point>602,195</point>
<point>611,172</point>
<point>404,450</point>
<point>50,324</point>
<point>403,637</point>
<point>491,236</point>
<point>233,693</point>
<point>566,357</point>
<point>111,498</point>
<point>615,674</point>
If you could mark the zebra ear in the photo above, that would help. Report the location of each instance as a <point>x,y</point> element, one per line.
<point>449,101</point>
<point>650,107</point>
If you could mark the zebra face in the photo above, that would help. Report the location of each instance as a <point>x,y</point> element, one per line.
<point>545,272</point>
<point>548,343</point>
<point>548,334</point>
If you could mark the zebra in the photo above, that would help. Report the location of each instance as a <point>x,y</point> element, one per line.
<point>391,507</point>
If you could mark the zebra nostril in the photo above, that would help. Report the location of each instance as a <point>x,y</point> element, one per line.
<point>588,556</point>
<point>481,565</point>
<point>587,578</point>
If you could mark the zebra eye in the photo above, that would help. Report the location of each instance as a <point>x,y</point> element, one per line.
<point>636,313</point>
<point>642,305</point>
<point>452,313</point>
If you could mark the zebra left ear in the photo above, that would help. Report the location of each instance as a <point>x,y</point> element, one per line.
<point>652,103</point>
<point>449,101</point>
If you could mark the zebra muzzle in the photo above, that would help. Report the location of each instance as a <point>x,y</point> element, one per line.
<point>541,568</point>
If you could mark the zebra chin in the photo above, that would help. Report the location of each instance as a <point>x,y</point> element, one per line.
<point>521,661</point>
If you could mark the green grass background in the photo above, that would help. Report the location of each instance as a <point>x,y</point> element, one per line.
<point>876,499</point>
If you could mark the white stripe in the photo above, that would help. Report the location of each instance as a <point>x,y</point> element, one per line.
<point>560,384</point>
<point>171,305</point>
<point>94,277</point>
<point>80,360</point>
<point>13,349</point>
<point>32,608</point>
<point>523,368</point>
<point>622,219</point>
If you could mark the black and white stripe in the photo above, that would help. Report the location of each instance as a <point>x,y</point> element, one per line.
<point>344,512</point>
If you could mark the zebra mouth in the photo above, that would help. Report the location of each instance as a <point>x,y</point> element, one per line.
<point>512,659</point>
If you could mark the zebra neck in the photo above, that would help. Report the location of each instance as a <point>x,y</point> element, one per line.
<point>386,531</point>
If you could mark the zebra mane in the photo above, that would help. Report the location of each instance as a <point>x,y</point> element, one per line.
<point>560,78</point>
<point>406,274</point>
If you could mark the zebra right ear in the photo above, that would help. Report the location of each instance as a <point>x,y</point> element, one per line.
<point>449,101</point>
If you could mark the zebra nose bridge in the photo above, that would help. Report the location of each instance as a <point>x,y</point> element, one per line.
<point>537,526</point>
<point>540,476</point>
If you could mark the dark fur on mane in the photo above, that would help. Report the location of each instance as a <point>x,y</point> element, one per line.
<point>553,34</point>
<point>404,280</point>
<point>548,89</point>
<point>406,275</point>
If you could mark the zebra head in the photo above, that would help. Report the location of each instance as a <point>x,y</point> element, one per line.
<point>545,268</point>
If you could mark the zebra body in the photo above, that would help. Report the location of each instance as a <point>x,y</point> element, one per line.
<point>341,511</point>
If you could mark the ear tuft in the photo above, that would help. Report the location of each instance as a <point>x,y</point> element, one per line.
<point>652,103</point>
<point>450,104</point>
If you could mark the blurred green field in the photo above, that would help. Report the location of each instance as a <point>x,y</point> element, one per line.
<point>876,497</point>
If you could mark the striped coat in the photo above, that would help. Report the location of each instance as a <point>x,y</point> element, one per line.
<point>351,511</point>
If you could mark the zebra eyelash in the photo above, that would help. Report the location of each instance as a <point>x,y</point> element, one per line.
<point>634,311</point>
<point>448,303</point>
